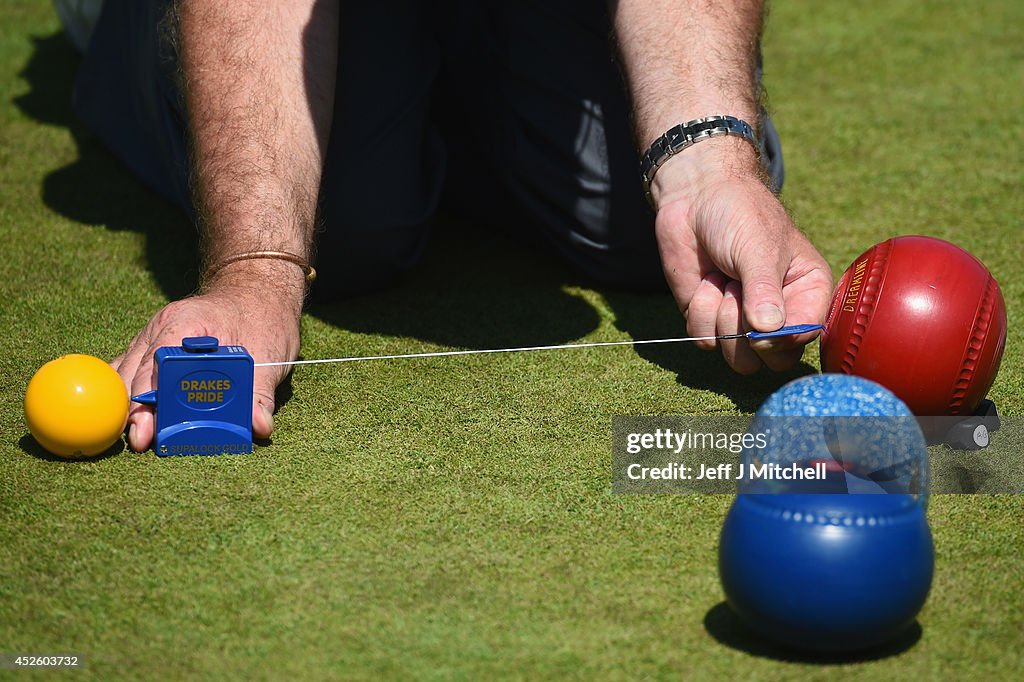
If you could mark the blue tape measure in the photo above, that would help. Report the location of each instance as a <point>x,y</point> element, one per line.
<point>203,398</point>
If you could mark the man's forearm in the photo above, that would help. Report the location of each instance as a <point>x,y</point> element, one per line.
<point>258,79</point>
<point>686,59</point>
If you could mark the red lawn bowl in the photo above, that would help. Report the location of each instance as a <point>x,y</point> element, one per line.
<point>922,317</point>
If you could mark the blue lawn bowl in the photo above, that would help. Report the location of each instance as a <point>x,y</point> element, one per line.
<point>825,565</point>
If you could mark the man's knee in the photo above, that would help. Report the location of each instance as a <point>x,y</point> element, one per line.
<point>126,93</point>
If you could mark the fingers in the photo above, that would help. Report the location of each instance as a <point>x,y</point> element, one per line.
<point>265,381</point>
<point>781,360</point>
<point>807,301</point>
<point>262,415</point>
<point>716,309</point>
<point>807,291</point>
<point>141,428</point>
<point>141,422</point>
<point>762,268</point>
<point>138,370</point>
<point>702,309</point>
<point>128,362</point>
<point>137,379</point>
<point>737,352</point>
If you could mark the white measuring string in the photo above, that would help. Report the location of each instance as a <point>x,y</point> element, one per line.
<point>521,349</point>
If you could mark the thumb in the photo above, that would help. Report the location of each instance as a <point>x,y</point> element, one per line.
<point>263,406</point>
<point>761,276</point>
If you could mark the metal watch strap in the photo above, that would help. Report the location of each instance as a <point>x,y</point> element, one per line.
<point>686,135</point>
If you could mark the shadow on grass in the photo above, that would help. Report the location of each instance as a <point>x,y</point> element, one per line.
<point>474,289</point>
<point>96,189</point>
<point>654,316</point>
<point>725,626</point>
<point>29,446</point>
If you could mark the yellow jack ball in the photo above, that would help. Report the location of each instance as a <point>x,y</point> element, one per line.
<point>76,406</point>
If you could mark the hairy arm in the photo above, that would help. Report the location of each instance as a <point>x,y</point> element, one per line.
<point>731,255</point>
<point>258,80</point>
<point>688,59</point>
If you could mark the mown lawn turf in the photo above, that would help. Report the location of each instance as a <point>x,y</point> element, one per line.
<point>452,518</point>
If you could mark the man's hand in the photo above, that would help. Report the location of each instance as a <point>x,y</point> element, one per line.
<point>733,258</point>
<point>236,313</point>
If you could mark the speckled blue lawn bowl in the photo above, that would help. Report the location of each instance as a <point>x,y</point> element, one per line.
<point>823,565</point>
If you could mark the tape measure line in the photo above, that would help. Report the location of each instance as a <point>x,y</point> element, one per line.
<point>784,331</point>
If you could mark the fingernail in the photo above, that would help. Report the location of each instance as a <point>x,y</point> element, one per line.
<point>268,415</point>
<point>769,316</point>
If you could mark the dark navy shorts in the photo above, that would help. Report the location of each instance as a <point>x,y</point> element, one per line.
<point>513,112</point>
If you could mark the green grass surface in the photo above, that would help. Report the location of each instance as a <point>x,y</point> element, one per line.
<point>453,518</point>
